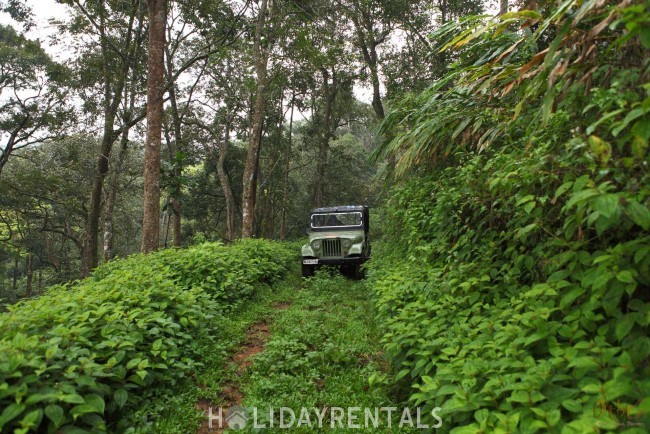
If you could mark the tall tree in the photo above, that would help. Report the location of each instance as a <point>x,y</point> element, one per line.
<point>226,95</point>
<point>200,39</point>
<point>128,114</point>
<point>330,89</point>
<point>104,75</point>
<point>260,60</point>
<point>155,91</point>
<point>328,58</point>
<point>372,24</point>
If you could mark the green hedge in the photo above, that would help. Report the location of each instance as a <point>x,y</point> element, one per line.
<point>79,357</point>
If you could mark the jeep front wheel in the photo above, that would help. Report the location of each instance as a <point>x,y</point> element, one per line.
<point>307,270</point>
<point>358,273</point>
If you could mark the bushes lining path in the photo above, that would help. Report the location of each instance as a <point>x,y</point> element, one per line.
<point>84,357</point>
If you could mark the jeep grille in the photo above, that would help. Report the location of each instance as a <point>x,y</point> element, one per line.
<point>332,248</point>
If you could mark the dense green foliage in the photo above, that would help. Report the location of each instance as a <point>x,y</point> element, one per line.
<point>513,274</point>
<point>514,278</point>
<point>81,356</point>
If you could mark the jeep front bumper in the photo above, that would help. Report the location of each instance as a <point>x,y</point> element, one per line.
<point>334,261</point>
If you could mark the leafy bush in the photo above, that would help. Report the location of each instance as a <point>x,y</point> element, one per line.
<point>79,357</point>
<point>504,310</point>
<point>514,281</point>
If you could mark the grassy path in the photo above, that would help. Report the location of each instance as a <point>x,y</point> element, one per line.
<point>321,353</point>
<point>217,383</point>
<point>309,344</point>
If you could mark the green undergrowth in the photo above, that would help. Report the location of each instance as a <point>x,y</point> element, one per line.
<point>517,294</point>
<point>175,410</point>
<point>83,357</point>
<point>514,278</point>
<point>323,352</point>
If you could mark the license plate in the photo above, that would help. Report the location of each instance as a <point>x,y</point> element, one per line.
<point>310,261</point>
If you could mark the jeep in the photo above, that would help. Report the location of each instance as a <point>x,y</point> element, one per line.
<point>338,236</point>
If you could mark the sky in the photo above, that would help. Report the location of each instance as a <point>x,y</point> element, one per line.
<point>44,10</point>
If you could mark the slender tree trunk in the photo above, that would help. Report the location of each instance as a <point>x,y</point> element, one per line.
<point>91,233</point>
<point>173,218</point>
<point>108,249</point>
<point>443,12</point>
<point>268,228</point>
<point>165,225</point>
<point>176,220</point>
<point>368,42</point>
<point>225,184</point>
<point>52,257</point>
<point>113,186</point>
<point>266,224</point>
<point>287,167</point>
<point>503,7</point>
<point>112,99</point>
<point>256,178</point>
<point>15,280</point>
<point>370,54</point>
<point>329,96</point>
<point>260,55</point>
<point>155,68</point>
<point>268,212</point>
<point>175,147</point>
<point>29,262</point>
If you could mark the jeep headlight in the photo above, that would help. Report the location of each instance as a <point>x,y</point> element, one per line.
<point>347,243</point>
<point>315,244</point>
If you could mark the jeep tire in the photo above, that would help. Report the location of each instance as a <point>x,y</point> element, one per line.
<point>358,273</point>
<point>307,270</point>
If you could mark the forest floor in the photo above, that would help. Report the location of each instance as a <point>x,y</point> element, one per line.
<point>294,359</point>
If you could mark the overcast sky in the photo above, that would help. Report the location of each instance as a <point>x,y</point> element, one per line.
<point>44,10</point>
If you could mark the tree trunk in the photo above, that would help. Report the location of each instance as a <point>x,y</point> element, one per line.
<point>176,220</point>
<point>174,217</point>
<point>155,68</point>
<point>260,56</point>
<point>268,211</point>
<point>503,7</point>
<point>15,277</point>
<point>52,257</point>
<point>329,96</point>
<point>287,167</point>
<point>175,147</point>
<point>225,184</point>
<point>368,42</point>
<point>29,262</point>
<point>113,183</point>
<point>112,100</point>
<point>91,232</point>
<point>113,186</point>
<point>377,105</point>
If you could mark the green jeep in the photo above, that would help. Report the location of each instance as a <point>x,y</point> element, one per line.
<point>337,236</point>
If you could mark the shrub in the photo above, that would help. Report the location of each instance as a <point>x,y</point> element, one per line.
<point>514,280</point>
<point>79,357</point>
<point>516,297</point>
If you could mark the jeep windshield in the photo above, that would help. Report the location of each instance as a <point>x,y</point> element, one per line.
<point>335,220</point>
